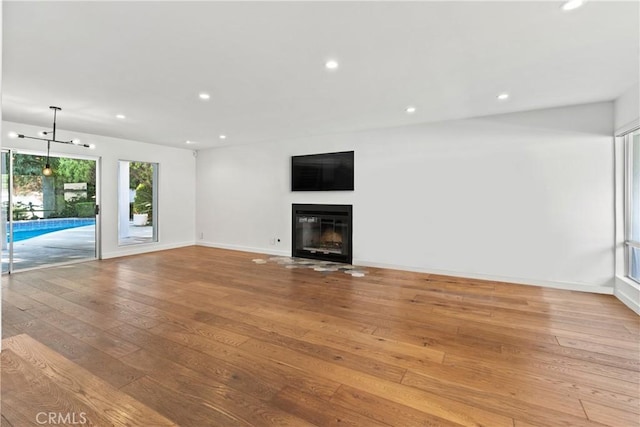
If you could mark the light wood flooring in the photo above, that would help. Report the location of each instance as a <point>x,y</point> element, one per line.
<point>205,337</point>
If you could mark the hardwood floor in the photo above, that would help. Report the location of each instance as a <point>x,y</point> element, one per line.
<point>205,337</point>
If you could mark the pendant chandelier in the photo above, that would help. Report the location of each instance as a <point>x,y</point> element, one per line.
<point>47,171</point>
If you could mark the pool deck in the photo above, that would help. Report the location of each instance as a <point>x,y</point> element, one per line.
<point>71,244</point>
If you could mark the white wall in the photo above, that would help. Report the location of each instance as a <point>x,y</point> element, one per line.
<point>176,184</point>
<point>627,117</point>
<point>524,197</point>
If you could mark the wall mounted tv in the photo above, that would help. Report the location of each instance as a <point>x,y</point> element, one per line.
<point>322,172</point>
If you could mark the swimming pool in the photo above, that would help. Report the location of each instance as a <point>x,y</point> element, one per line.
<point>23,230</point>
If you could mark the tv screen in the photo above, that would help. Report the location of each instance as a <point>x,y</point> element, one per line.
<point>322,172</point>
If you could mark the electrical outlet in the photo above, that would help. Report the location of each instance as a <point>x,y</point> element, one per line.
<point>201,236</point>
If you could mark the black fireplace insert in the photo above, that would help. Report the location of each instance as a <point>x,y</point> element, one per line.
<point>322,232</point>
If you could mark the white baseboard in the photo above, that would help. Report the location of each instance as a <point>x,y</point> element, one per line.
<point>569,286</point>
<point>244,248</point>
<point>628,292</point>
<point>144,248</point>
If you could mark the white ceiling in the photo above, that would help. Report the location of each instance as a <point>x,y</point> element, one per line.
<point>263,64</point>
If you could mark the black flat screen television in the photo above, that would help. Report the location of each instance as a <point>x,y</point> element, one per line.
<point>322,172</point>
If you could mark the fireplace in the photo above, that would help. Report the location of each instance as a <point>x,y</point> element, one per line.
<point>322,232</point>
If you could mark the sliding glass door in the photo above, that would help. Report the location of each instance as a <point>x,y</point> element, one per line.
<point>632,152</point>
<point>5,214</point>
<point>47,219</point>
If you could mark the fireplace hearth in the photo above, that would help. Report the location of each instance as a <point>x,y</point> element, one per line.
<point>322,232</point>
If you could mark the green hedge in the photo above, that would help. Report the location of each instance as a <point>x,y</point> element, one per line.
<point>86,209</point>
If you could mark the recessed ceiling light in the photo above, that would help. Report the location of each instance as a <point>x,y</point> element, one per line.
<point>13,134</point>
<point>75,141</point>
<point>503,96</point>
<point>223,136</point>
<point>331,64</point>
<point>572,4</point>
<point>121,116</point>
<point>190,142</point>
<point>204,96</point>
<point>92,146</point>
<point>42,133</point>
<point>410,110</point>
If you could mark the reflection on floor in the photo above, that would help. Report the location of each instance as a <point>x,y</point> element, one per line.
<point>316,265</point>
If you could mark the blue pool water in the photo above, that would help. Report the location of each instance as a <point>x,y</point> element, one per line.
<point>23,230</point>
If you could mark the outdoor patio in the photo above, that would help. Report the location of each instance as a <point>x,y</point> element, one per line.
<point>72,244</point>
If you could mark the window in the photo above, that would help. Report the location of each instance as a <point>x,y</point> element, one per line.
<point>632,228</point>
<point>137,203</point>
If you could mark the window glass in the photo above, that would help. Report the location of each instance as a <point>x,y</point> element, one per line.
<point>633,201</point>
<point>137,203</point>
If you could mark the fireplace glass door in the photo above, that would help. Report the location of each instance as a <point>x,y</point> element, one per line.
<point>322,232</point>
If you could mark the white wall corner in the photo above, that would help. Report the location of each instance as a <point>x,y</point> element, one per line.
<point>627,110</point>
<point>628,292</point>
